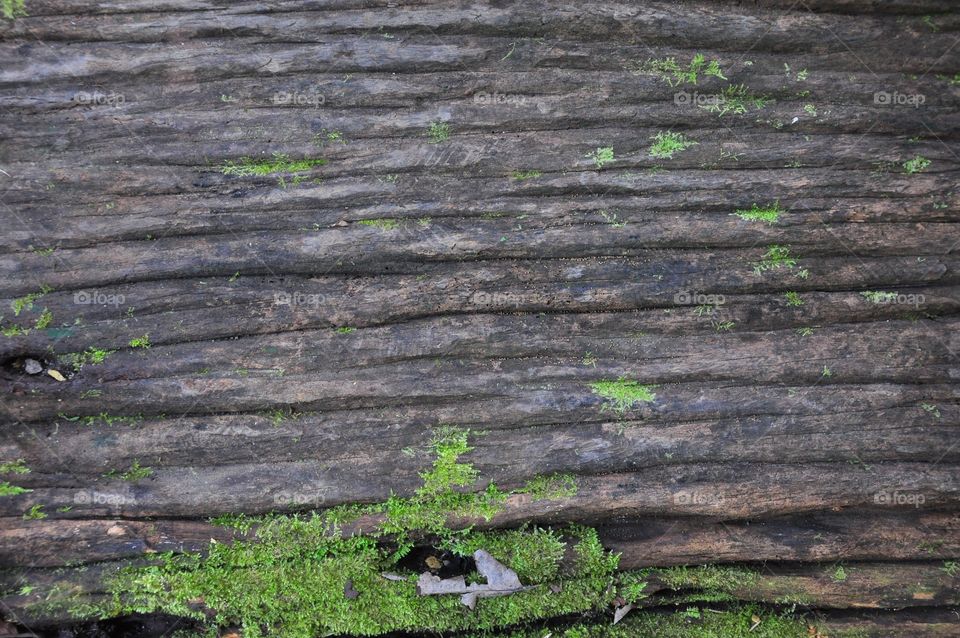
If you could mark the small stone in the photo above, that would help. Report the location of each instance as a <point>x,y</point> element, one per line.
<point>32,366</point>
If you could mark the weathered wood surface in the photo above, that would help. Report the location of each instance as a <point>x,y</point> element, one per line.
<point>488,301</point>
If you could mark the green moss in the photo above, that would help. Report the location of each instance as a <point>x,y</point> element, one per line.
<point>551,487</point>
<point>793,298</point>
<point>768,214</point>
<point>839,574</point>
<point>522,175</point>
<point>279,164</point>
<point>709,577</point>
<point>438,132</point>
<point>44,320</point>
<point>601,156</point>
<point>916,165</point>
<point>34,513</point>
<point>623,394</point>
<point>135,473</point>
<point>735,99</point>
<point>21,304</point>
<point>18,466</point>
<point>6,489</point>
<point>775,258</point>
<point>382,224</point>
<point>90,356</point>
<point>12,9</point>
<point>345,330</point>
<point>140,342</point>
<point>733,622</point>
<point>666,143</point>
<point>290,578</point>
<point>534,553</point>
<point>876,296</point>
<point>671,72</point>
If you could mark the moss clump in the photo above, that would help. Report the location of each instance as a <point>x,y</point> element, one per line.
<point>623,394</point>
<point>291,577</point>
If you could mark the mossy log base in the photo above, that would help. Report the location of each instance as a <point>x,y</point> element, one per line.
<point>305,331</point>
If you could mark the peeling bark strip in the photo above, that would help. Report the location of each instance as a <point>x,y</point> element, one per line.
<point>253,255</point>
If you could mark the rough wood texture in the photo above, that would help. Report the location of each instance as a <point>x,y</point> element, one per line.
<point>299,341</point>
